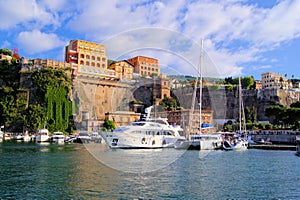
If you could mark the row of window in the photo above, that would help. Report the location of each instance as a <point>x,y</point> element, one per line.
<point>92,48</point>
<point>150,69</point>
<point>87,63</point>
<point>96,71</point>
<point>88,57</point>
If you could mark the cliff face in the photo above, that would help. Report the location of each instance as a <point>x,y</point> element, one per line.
<point>225,103</point>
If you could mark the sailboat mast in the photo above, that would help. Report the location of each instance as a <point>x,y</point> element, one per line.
<point>200,88</point>
<point>240,104</point>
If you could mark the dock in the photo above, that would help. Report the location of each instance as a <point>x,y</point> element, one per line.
<point>273,147</point>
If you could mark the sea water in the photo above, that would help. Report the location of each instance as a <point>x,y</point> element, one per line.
<point>77,171</point>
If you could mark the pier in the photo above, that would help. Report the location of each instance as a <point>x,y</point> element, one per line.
<point>273,147</point>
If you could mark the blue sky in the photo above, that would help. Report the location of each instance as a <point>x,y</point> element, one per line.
<point>240,37</point>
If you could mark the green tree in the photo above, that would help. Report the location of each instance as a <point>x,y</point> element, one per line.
<point>295,104</point>
<point>109,125</point>
<point>169,103</point>
<point>248,82</point>
<point>6,52</point>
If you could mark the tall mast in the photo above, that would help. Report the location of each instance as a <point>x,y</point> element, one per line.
<point>200,88</point>
<point>240,104</point>
<point>241,108</point>
<point>199,76</point>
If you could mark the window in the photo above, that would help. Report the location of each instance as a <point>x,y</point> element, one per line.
<point>87,57</point>
<point>93,57</point>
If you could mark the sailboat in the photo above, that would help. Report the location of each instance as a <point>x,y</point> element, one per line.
<point>237,141</point>
<point>199,141</point>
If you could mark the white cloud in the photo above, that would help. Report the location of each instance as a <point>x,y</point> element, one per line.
<point>279,24</point>
<point>234,31</point>
<point>37,42</point>
<point>24,12</point>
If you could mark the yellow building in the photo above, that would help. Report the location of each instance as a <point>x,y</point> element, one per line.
<point>28,64</point>
<point>87,57</point>
<point>123,69</point>
<point>272,80</point>
<point>5,57</point>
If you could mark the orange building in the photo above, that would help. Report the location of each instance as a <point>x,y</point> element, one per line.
<point>86,57</point>
<point>145,66</point>
<point>123,69</point>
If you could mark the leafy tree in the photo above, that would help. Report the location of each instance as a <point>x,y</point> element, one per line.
<point>51,89</point>
<point>169,103</point>
<point>109,125</point>
<point>6,52</point>
<point>295,104</point>
<point>248,82</point>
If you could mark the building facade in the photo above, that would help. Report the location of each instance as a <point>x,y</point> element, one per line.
<point>272,80</point>
<point>161,87</point>
<point>87,58</point>
<point>123,69</point>
<point>145,66</point>
<point>184,117</point>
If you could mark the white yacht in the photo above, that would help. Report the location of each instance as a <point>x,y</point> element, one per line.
<point>152,133</point>
<point>205,142</point>
<point>58,137</point>
<point>43,136</point>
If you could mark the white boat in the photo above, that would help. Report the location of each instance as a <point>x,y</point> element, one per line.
<point>7,136</point>
<point>83,137</point>
<point>18,137</point>
<point>58,137</point>
<point>152,133</point>
<point>233,141</point>
<point>26,137</point>
<point>95,137</point>
<point>1,136</point>
<point>205,142</point>
<point>298,145</point>
<point>237,141</point>
<point>43,136</point>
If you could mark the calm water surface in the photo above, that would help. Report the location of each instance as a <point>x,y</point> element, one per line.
<point>75,171</point>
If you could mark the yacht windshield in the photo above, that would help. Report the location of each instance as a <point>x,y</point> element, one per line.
<point>138,123</point>
<point>121,129</point>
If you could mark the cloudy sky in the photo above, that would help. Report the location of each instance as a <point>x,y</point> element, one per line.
<point>240,37</point>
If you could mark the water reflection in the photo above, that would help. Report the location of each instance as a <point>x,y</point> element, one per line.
<point>133,160</point>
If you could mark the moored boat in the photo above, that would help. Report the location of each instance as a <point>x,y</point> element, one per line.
<point>7,136</point>
<point>58,137</point>
<point>201,142</point>
<point>233,141</point>
<point>43,136</point>
<point>1,136</point>
<point>152,133</point>
<point>83,137</point>
<point>26,137</point>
